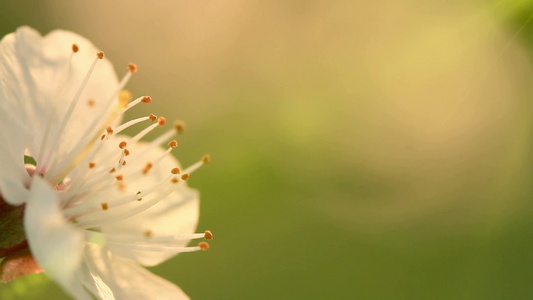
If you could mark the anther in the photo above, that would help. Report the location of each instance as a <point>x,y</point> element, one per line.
<point>162,121</point>
<point>91,102</point>
<point>92,165</point>
<point>102,137</point>
<point>208,235</point>
<point>203,245</point>
<point>100,54</point>
<point>153,118</point>
<point>124,163</point>
<point>112,170</point>
<point>104,206</point>
<point>126,152</point>
<point>179,126</point>
<point>206,159</point>
<point>173,144</point>
<point>185,177</point>
<point>147,167</point>
<point>146,99</point>
<point>132,68</point>
<point>174,180</point>
<point>122,145</point>
<point>119,177</point>
<point>148,233</point>
<point>109,130</point>
<point>175,171</point>
<point>121,186</point>
<point>75,48</point>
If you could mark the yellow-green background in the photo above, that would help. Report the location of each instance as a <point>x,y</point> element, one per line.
<point>361,149</point>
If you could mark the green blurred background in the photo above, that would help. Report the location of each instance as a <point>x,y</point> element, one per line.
<point>361,149</point>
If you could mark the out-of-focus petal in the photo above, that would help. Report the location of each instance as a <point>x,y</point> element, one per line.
<point>13,137</point>
<point>127,280</point>
<point>55,244</point>
<point>177,214</point>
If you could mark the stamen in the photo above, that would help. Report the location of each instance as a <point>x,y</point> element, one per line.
<point>185,177</point>
<point>153,118</point>
<point>171,249</point>
<point>206,159</point>
<point>203,245</point>
<point>64,122</point>
<point>144,132</point>
<point>128,105</point>
<point>100,54</point>
<point>96,219</point>
<point>173,144</point>
<point>164,239</point>
<point>208,235</point>
<point>60,170</point>
<point>75,48</point>
<point>163,138</point>
<point>180,126</point>
<point>175,171</point>
<point>122,145</point>
<point>121,186</point>
<point>147,168</point>
<point>131,123</point>
<point>109,130</point>
<point>132,68</point>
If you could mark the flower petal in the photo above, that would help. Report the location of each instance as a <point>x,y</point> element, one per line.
<point>41,78</point>
<point>176,214</point>
<point>13,138</point>
<point>56,245</point>
<point>13,191</point>
<point>127,280</point>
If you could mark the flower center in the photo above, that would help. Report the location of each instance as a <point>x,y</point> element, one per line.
<point>96,180</point>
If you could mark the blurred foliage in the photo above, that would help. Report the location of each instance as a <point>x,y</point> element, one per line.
<point>361,150</point>
<point>34,286</point>
<point>518,14</point>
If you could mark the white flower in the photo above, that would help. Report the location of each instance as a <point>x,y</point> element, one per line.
<point>98,205</point>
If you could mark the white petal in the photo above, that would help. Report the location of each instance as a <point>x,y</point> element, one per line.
<point>13,137</point>
<point>13,191</point>
<point>177,214</point>
<point>34,67</point>
<point>127,280</point>
<point>56,245</point>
